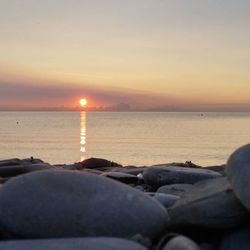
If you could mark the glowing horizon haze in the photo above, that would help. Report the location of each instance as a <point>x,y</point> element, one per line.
<point>146,53</point>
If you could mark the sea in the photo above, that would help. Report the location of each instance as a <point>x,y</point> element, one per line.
<point>128,138</point>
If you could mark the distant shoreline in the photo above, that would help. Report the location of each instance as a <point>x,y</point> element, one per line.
<point>124,111</point>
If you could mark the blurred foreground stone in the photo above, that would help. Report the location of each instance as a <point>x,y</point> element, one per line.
<point>60,203</point>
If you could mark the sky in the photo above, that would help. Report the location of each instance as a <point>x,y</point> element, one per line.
<point>146,53</point>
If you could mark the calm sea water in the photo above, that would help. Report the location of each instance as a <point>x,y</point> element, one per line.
<point>127,138</point>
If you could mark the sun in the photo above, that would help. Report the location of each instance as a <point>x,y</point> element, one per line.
<point>83,102</point>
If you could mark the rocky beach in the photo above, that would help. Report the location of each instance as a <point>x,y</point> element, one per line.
<point>99,204</point>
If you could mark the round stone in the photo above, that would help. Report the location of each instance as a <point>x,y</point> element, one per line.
<point>181,243</point>
<point>52,204</point>
<point>238,172</point>
<point>197,206</point>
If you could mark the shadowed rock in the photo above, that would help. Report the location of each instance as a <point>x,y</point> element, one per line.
<point>16,161</point>
<point>181,243</point>
<point>207,246</point>
<point>10,162</point>
<point>187,164</point>
<point>167,200</point>
<point>77,166</point>
<point>10,171</point>
<point>238,172</point>
<point>73,166</point>
<point>100,243</point>
<point>3,180</point>
<point>209,203</point>
<point>174,189</point>
<point>47,204</point>
<point>220,169</point>
<point>237,240</point>
<point>165,175</point>
<point>132,170</point>
<point>96,163</point>
<point>144,188</point>
<point>32,160</point>
<point>122,177</point>
<point>92,171</point>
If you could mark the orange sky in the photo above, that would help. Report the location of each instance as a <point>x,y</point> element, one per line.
<point>142,52</point>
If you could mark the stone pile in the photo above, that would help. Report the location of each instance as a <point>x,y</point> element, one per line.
<point>99,204</point>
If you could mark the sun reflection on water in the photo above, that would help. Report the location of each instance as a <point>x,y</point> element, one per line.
<point>83,135</point>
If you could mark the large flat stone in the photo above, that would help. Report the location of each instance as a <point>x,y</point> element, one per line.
<point>158,176</point>
<point>48,204</point>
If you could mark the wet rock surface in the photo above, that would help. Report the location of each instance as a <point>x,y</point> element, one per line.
<point>42,206</point>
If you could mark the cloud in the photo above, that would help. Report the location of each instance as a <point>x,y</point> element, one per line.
<point>19,95</point>
<point>48,95</point>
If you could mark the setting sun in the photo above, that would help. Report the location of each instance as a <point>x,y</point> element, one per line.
<point>83,102</point>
